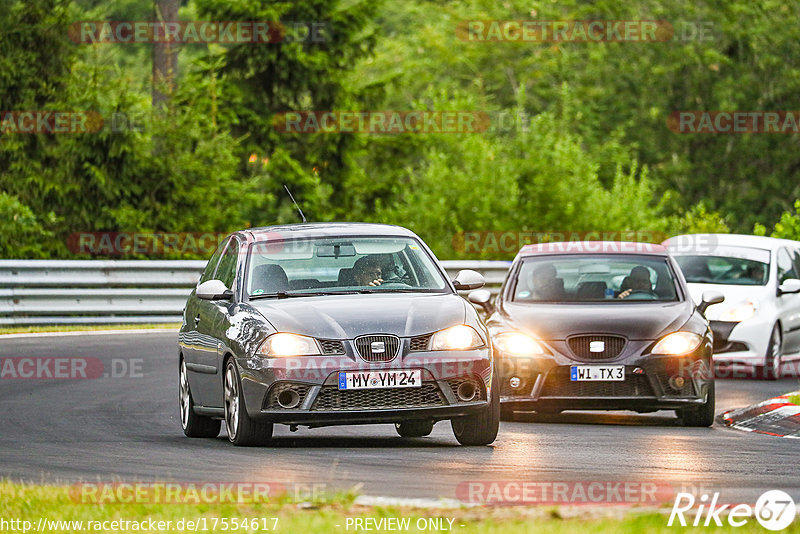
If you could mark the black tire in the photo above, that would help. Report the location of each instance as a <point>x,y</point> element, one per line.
<point>414,429</point>
<point>194,426</point>
<point>701,415</point>
<point>242,430</point>
<point>771,370</point>
<point>480,429</point>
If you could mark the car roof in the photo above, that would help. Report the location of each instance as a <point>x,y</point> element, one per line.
<point>708,241</point>
<point>324,229</point>
<point>594,247</point>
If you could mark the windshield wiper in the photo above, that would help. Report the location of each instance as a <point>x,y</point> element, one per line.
<point>291,294</point>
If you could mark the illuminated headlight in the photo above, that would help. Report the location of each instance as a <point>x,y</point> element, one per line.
<point>459,337</point>
<point>677,343</point>
<point>740,312</point>
<point>283,344</point>
<point>517,344</point>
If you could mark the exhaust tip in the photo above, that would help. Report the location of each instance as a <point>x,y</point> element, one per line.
<point>467,391</point>
<point>288,399</point>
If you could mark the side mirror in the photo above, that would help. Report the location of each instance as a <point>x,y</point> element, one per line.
<point>483,298</point>
<point>792,285</point>
<point>213,290</point>
<point>709,298</point>
<point>467,279</point>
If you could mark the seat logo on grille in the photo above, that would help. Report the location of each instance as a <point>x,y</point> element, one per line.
<point>377,347</point>
<point>597,346</point>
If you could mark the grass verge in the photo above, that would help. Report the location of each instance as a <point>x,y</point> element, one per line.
<point>337,513</point>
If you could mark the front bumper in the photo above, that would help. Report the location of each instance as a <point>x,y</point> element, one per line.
<point>319,402</point>
<point>544,382</point>
<point>742,343</point>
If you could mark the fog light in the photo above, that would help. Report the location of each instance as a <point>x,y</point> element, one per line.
<point>677,382</point>
<point>514,382</point>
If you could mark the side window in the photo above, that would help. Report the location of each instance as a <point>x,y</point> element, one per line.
<point>211,266</point>
<point>796,260</point>
<point>786,267</point>
<point>226,270</point>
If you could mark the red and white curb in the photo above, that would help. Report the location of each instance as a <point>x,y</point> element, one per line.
<point>776,417</point>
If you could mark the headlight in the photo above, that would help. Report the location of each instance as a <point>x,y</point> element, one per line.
<point>517,344</point>
<point>283,344</point>
<point>740,312</point>
<point>459,337</point>
<point>677,343</point>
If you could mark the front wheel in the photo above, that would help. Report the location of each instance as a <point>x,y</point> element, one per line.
<point>771,370</point>
<point>414,429</point>
<point>480,429</point>
<point>242,429</point>
<point>194,426</point>
<point>700,415</point>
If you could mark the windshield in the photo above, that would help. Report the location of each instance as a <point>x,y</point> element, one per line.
<point>341,265</point>
<point>743,267</point>
<point>595,278</point>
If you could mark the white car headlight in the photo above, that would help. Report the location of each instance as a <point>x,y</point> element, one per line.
<point>517,344</point>
<point>677,343</point>
<point>283,344</point>
<point>459,337</point>
<point>740,312</point>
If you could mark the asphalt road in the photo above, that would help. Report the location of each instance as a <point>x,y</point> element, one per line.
<point>127,428</point>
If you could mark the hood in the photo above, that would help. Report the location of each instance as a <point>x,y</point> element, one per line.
<point>734,296</point>
<point>349,316</point>
<point>640,321</point>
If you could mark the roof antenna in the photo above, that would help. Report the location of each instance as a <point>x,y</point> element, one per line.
<point>295,203</point>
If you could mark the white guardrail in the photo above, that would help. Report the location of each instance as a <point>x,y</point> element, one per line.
<point>46,292</point>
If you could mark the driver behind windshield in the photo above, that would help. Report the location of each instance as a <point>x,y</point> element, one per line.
<point>367,271</point>
<point>638,280</point>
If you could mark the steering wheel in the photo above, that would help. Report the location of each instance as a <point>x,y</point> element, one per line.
<point>392,277</point>
<point>643,292</point>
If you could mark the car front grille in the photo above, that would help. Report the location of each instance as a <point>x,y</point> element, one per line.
<point>558,384</point>
<point>366,345</point>
<point>581,346</point>
<point>331,346</point>
<point>330,398</point>
<point>420,343</point>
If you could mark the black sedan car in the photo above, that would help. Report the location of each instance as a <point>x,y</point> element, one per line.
<point>333,324</point>
<point>601,326</point>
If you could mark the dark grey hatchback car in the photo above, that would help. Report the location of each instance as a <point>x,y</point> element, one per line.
<point>333,324</point>
<point>601,326</point>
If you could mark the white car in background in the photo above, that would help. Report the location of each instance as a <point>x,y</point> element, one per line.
<point>758,324</point>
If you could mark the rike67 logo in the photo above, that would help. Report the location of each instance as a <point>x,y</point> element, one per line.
<point>774,510</point>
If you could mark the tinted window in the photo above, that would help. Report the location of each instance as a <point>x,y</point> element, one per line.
<point>723,270</point>
<point>594,278</point>
<point>211,266</point>
<point>785,266</point>
<point>226,271</point>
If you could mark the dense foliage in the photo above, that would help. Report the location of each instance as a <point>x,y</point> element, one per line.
<point>578,140</point>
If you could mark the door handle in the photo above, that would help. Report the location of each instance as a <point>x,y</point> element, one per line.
<point>197,320</point>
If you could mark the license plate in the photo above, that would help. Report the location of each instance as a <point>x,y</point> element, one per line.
<point>381,379</point>
<point>597,373</point>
